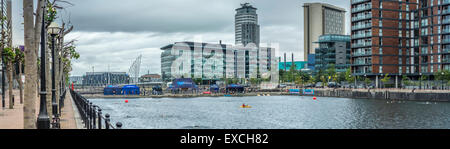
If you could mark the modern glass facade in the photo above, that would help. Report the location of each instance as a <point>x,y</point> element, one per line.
<point>333,50</point>
<point>213,61</point>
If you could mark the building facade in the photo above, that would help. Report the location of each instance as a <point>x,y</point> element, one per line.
<point>105,78</point>
<point>320,19</point>
<point>215,61</point>
<point>404,37</point>
<point>246,25</point>
<point>299,65</point>
<point>333,50</point>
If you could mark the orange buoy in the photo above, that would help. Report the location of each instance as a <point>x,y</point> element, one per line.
<point>126,101</point>
<point>314,98</point>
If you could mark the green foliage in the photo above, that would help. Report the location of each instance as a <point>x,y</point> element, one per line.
<point>348,76</point>
<point>385,79</point>
<point>406,80</point>
<point>51,12</point>
<point>73,54</point>
<point>9,54</point>
<point>20,57</point>
<point>367,81</point>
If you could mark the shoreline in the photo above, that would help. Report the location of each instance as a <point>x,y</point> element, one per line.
<point>377,94</point>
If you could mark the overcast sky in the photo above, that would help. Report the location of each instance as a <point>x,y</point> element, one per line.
<point>115,32</point>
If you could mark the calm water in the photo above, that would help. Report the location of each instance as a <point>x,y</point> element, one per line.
<point>274,112</point>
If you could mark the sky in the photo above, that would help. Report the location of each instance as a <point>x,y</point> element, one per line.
<point>111,34</point>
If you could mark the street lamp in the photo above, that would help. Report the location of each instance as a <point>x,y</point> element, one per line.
<point>54,30</point>
<point>43,121</point>
<point>420,80</point>
<point>442,80</point>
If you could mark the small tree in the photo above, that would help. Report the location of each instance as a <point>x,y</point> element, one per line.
<point>367,81</point>
<point>406,81</point>
<point>385,80</point>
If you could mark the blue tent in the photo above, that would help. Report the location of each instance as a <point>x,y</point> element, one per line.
<point>185,83</point>
<point>214,88</point>
<point>112,90</point>
<point>130,90</point>
<point>235,88</point>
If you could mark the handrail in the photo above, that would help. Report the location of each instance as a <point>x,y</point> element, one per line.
<point>92,114</point>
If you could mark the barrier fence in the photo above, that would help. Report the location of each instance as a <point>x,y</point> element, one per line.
<point>91,114</point>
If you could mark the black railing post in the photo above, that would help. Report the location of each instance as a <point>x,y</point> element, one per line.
<point>107,121</point>
<point>118,125</point>
<point>86,109</point>
<point>99,118</point>
<point>94,116</point>
<point>90,115</point>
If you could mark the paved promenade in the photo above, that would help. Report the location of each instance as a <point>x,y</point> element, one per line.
<point>13,118</point>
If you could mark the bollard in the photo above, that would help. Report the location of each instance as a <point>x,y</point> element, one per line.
<point>99,118</point>
<point>107,121</point>
<point>118,125</point>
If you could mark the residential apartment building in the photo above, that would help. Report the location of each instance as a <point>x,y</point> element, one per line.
<point>401,37</point>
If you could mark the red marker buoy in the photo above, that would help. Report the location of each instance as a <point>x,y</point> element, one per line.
<point>126,101</point>
<point>314,98</point>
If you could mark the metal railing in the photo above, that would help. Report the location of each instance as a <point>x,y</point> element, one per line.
<point>92,114</point>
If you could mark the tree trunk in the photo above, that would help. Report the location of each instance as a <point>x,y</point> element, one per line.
<point>19,80</point>
<point>37,38</point>
<point>9,69</point>
<point>30,96</point>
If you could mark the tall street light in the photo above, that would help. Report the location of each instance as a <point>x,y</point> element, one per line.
<point>43,120</point>
<point>420,80</point>
<point>53,30</point>
<point>442,80</point>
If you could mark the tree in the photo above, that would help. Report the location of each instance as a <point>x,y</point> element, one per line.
<point>9,56</point>
<point>406,81</point>
<point>331,72</point>
<point>31,40</point>
<point>19,60</point>
<point>348,76</point>
<point>385,79</point>
<point>367,81</point>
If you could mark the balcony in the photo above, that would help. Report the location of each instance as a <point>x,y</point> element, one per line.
<point>361,17</point>
<point>358,1</point>
<point>357,45</point>
<point>445,2</point>
<point>361,35</point>
<point>445,11</point>
<point>358,9</point>
<point>356,27</point>
<point>445,31</point>
<point>362,54</point>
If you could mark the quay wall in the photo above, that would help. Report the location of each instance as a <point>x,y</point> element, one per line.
<point>384,95</point>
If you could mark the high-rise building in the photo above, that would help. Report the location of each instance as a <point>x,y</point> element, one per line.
<point>400,38</point>
<point>246,25</point>
<point>333,50</point>
<point>320,19</point>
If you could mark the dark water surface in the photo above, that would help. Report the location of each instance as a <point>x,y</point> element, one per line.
<point>274,112</point>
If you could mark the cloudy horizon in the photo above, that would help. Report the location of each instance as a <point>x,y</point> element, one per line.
<point>110,34</point>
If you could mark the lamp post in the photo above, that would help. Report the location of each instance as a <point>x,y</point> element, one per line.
<point>43,121</point>
<point>442,80</point>
<point>53,30</point>
<point>420,80</point>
